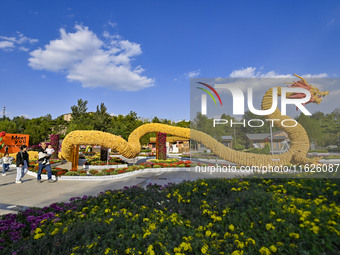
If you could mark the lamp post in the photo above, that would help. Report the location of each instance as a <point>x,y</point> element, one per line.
<point>271,139</point>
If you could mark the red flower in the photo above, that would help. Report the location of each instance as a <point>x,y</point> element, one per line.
<point>61,173</point>
<point>2,134</point>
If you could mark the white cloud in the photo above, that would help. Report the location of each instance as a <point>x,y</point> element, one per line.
<point>250,72</point>
<point>112,24</point>
<point>262,80</point>
<point>9,43</point>
<point>93,62</point>
<point>6,44</point>
<point>193,74</point>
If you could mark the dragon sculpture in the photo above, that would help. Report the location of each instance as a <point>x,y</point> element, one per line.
<point>297,154</point>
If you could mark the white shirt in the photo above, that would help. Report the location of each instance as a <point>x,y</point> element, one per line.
<point>49,151</point>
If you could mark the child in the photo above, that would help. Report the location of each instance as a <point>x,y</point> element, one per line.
<point>22,163</point>
<point>6,160</point>
<point>49,150</point>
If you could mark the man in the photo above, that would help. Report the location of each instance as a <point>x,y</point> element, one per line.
<point>22,161</point>
<point>44,162</point>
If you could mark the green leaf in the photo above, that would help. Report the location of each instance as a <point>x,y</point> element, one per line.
<point>0,139</point>
<point>1,146</point>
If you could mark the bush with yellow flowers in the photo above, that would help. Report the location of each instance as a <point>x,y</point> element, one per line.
<point>209,216</point>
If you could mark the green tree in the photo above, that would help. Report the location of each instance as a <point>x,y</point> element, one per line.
<point>312,128</point>
<point>102,120</point>
<point>39,129</point>
<point>155,120</point>
<point>8,126</point>
<point>79,110</point>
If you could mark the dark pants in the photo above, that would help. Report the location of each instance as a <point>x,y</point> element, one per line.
<point>6,168</point>
<point>47,167</point>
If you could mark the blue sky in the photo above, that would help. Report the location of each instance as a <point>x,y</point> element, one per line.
<point>140,55</point>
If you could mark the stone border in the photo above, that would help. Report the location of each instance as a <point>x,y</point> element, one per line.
<point>102,167</point>
<point>120,176</point>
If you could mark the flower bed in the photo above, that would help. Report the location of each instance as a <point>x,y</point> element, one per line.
<point>214,216</point>
<point>104,166</point>
<point>147,154</point>
<point>95,161</point>
<point>108,170</point>
<point>113,175</point>
<point>113,170</point>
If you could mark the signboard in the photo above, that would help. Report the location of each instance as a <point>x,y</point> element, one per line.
<point>13,141</point>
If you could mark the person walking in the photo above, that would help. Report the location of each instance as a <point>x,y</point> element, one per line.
<point>6,161</point>
<point>22,163</point>
<point>44,163</point>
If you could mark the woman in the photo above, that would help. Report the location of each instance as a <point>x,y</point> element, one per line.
<point>22,163</point>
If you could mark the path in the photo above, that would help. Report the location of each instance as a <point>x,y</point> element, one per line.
<point>16,197</point>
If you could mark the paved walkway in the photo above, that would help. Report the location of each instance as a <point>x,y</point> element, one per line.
<point>15,197</point>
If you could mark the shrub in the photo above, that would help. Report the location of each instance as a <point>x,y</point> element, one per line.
<point>71,173</point>
<point>99,174</point>
<point>301,219</point>
<point>238,146</point>
<point>334,149</point>
<point>107,172</point>
<point>173,160</point>
<point>60,173</point>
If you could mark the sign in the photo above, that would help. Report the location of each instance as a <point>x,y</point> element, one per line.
<point>14,142</point>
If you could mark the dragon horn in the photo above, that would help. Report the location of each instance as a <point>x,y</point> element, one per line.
<point>301,79</point>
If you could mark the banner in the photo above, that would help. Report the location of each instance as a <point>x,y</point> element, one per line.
<point>13,141</point>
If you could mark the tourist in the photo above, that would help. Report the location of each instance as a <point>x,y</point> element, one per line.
<point>6,161</point>
<point>44,163</point>
<point>22,163</point>
<point>49,150</point>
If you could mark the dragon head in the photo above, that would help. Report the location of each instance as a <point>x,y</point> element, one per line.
<point>316,95</point>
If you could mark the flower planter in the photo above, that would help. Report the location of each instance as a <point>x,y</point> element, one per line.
<point>43,176</point>
<point>101,167</point>
<point>120,176</point>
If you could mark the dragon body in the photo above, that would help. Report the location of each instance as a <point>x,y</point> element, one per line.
<point>297,154</point>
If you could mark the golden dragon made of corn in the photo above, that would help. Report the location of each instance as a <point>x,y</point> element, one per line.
<point>297,154</point>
